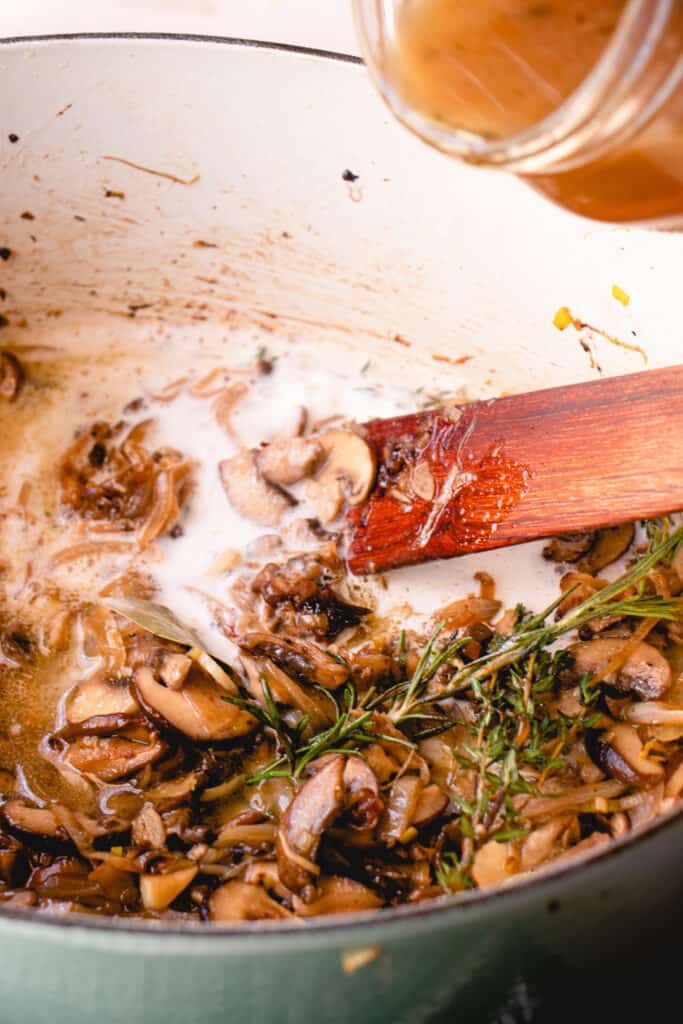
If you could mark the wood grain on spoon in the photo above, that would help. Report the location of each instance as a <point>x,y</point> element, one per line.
<point>489,474</point>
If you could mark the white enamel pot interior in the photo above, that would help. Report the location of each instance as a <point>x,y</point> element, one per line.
<point>253,142</point>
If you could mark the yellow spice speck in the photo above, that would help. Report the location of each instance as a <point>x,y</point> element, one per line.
<point>620,295</point>
<point>562,318</point>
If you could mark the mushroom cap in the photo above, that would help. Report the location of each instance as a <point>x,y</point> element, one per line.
<point>346,475</point>
<point>645,672</point>
<point>249,492</point>
<point>198,710</point>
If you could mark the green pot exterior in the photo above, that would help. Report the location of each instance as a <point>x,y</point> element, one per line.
<point>460,961</point>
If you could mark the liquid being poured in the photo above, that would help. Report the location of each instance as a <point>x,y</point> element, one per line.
<point>497,67</point>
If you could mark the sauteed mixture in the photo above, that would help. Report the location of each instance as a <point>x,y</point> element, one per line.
<point>204,716</point>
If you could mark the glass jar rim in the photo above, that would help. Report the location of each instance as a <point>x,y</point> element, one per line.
<point>592,118</point>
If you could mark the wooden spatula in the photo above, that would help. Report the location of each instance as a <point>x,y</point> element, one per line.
<point>452,481</point>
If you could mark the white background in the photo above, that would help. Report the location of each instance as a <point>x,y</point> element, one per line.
<point>323,23</point>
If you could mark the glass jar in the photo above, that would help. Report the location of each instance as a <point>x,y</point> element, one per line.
<point>581,98</point>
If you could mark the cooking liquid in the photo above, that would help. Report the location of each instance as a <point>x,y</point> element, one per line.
<point>498,67</point>
<point>69,392</point>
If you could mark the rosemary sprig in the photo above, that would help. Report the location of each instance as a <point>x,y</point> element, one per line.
<point>352,728</point>
<point>536,632</point>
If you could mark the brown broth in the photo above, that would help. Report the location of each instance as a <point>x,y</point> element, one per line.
<point>498,67</point>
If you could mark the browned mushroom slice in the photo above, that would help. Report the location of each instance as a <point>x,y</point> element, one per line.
<point>492,864</point>
<point>619,753</point>
<point>54,829</point>
<point>610,544</point>
<point>118,886</point>
<point>284,690</point>
<point>253,835</point>
<point>68,879</point>
<point>401,808</point>
<point>159,891</point>
<point>240,901</point>
<point>298,591</point>
<point>38,827</point>
<point>346,475</point>
<point>11,376</point>
<point>338,896</point>
<point>653,712</point>
<point>362,797</point>
<point>569,547</point>
<point>197,711</point>
<point>542,843</point>
<point>645,671</point>
<point>174,669</point>
<point>100,696</point>
<point>173,792</point>
<point>287,460</point>
<point>249,493</point>
<point>114,757</point>
<point>148,828</point>
<point>298,658</point>
<point>100,725</point>
<point>431,803</point>
<point>265,873</point>
<point>319,801</point>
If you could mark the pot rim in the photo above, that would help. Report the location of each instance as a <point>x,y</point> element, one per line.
<point>539,882</point>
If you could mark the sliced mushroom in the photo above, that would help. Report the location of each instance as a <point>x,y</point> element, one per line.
<point>265,874</point>
<point>569,547</point>
<point>645,672</point>
<point>253,835</point>
<point>159,891</point>
<point>174,792</point>
<point>148,828</point>
<point>653,712</point>
<point>52,829</point>
<point>542,843</point>
<point>68,879</point>
<point>402,804</point>
<point>579,799</point>
<point>11,376</point>
<point>197,711</point>
<point>299,594</point>
<point>492,864</point>
<point>287,460</point>
<point>674,779</point>
<point>249,493</point>
<point>610,544</point>
<point>100,696</point>
<point>114,757</point>
<point>299,658</point>
<point>38,827</point>
<point>340,784</point>
<point>117,885</point>
<point>284,690</point>
<point>362,797</point>
<point>99,725</point>
<point>174,670</point>
<point>311,812</point>
<point>240,901</point>
<point>619,753</point>
<point>431,802</point>
<point>346,474</point>
<point>338,895</point>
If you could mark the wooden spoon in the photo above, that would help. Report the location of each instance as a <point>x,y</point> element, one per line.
<point>455,480</point>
